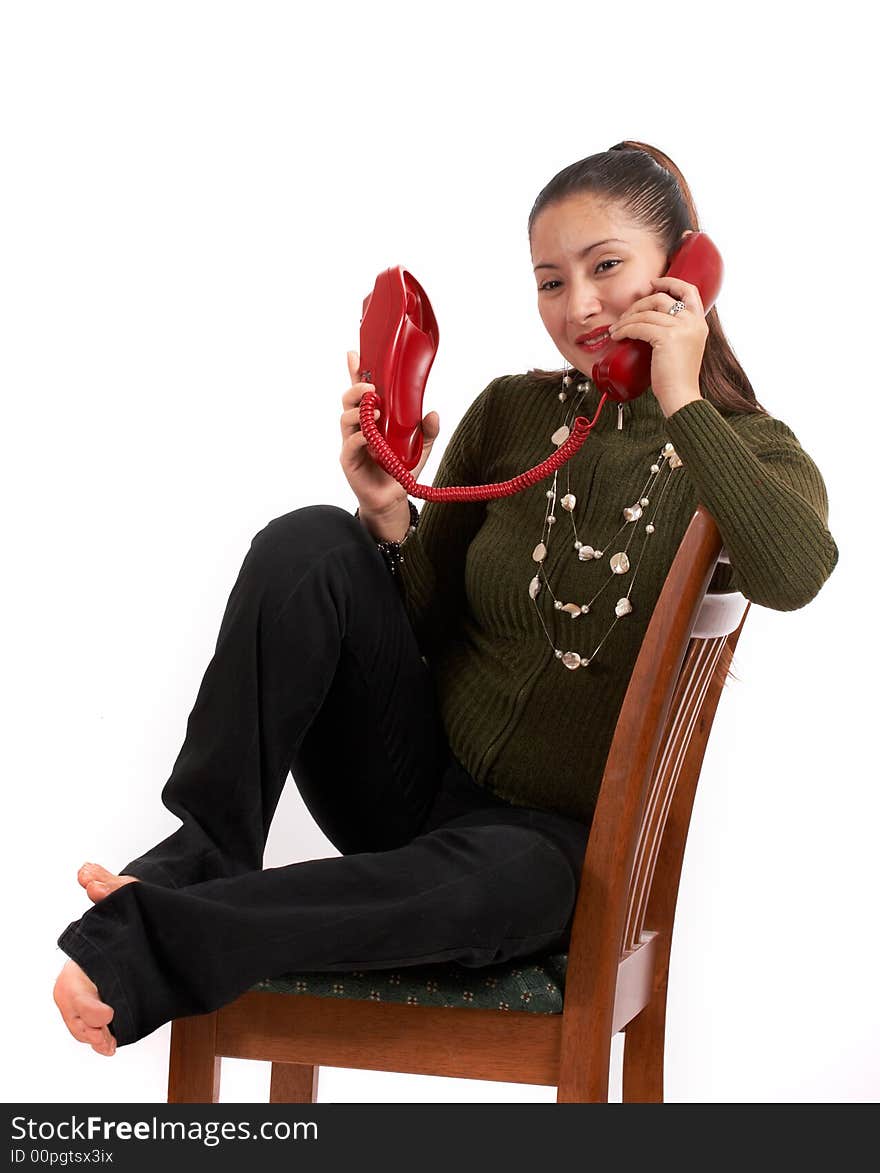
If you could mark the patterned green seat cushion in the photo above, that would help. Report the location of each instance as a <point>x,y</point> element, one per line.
<point>533,984</point>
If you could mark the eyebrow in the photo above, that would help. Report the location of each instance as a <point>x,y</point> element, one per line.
<point>583,253</point>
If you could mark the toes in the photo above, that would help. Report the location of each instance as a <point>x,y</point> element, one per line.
<point>93,871</point>
<point>100,1040</point>
<point>91,1010</point>
<point>96,890</point>
<point>83,1012</point>
<point>76,996</point>
<point>98,882</point>
<point>97,1037</point>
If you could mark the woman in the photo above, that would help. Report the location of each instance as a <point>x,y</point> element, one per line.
<point>447,724</point>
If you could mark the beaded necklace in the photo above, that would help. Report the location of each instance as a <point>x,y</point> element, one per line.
<point>620,562</point>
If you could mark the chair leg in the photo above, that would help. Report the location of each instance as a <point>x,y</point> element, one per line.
<point>643,1053</point>
<point>294,1083</point>
<point>585,1082</point>
<point>194,1065</point>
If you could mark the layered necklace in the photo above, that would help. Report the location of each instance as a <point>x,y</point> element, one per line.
<point>621,543</point>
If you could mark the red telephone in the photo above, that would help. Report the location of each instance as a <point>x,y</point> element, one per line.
<point>398,343</point>
<point>399,340</point>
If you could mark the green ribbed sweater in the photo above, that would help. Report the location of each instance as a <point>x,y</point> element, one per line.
<point>522,724</point>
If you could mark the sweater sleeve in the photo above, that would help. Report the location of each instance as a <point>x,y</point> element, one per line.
<point>767,497</point>
<point>431,573</point>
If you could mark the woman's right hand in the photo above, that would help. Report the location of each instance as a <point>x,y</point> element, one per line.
<point>376,490</point>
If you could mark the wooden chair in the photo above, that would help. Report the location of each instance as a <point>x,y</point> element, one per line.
<point>617,966</point>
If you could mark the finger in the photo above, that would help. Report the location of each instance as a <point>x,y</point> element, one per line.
<point>682,290</point>
<point>661,301</point>
<point>352,396</point>
<point>646,331</point>
<point>353,442</point>
<point>645,317</point>
<point>354,362</point>
<point>430,428</point>
<point>674,284</point>
<point>653,331</point>
<point>350,420</point>
<point>354,367</point>
<point>664,318</point>
<point>353,415</point>
<point>430,431</point>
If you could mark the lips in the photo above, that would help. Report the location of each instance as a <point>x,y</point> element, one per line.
<point>594,340</point>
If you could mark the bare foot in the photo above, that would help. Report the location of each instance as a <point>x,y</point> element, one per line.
<point>84,1014</point>
<point>98,882</point>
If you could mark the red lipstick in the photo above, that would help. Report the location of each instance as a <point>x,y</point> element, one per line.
<point>594,339</point>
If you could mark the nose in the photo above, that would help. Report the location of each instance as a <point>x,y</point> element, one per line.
<point>583,304</point>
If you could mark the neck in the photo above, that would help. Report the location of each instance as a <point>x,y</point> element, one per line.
<point>642,417</point>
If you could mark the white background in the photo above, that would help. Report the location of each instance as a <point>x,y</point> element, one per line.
<point>195,200</point>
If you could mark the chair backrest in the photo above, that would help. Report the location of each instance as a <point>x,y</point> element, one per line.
<point>673,777</point>
<point>633,861</point>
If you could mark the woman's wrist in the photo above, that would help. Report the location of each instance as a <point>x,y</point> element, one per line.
<point>388,525</point>
<point>391,549</point>
<point>670,403</point>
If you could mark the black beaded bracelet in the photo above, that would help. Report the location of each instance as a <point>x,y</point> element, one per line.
<point>392,551</point>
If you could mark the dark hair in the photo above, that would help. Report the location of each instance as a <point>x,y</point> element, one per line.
<point>652,192</point>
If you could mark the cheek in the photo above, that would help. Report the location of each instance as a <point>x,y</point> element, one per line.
<point>547,316</point>
<point>557,314</point>
<point>631,296</point>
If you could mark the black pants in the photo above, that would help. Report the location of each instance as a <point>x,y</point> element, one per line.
<point>317,672</point>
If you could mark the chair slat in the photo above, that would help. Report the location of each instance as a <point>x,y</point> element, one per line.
<point>693,683</point>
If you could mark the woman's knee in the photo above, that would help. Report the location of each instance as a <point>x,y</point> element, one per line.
<point>296,543</point>
<point>304,534</point>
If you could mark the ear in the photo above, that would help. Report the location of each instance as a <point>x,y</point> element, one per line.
<point>688,232</point>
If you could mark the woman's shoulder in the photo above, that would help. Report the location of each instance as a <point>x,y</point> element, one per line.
<point>515,381</point>
<point>761,427</point>
<point>498,392</point>
<point>523,384</point>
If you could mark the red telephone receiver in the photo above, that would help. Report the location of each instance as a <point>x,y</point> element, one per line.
<point>398,343</point>
<point>624,372</point>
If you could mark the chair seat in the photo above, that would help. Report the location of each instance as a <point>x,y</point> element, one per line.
<point>536,985</point>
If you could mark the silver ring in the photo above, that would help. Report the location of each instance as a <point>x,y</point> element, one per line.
<point>676,307</point>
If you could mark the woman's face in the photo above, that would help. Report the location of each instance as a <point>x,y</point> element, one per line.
<point>590,265</point>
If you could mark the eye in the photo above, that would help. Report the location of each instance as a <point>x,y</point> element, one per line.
<point>599,267</point>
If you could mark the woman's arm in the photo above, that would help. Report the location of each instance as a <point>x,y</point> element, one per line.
<point>767,497</point>
<point>431,572</point>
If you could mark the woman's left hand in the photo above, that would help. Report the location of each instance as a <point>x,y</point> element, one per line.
<point>677,340</point>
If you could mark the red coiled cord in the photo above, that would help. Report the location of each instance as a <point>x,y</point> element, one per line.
<point>389,460</point>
